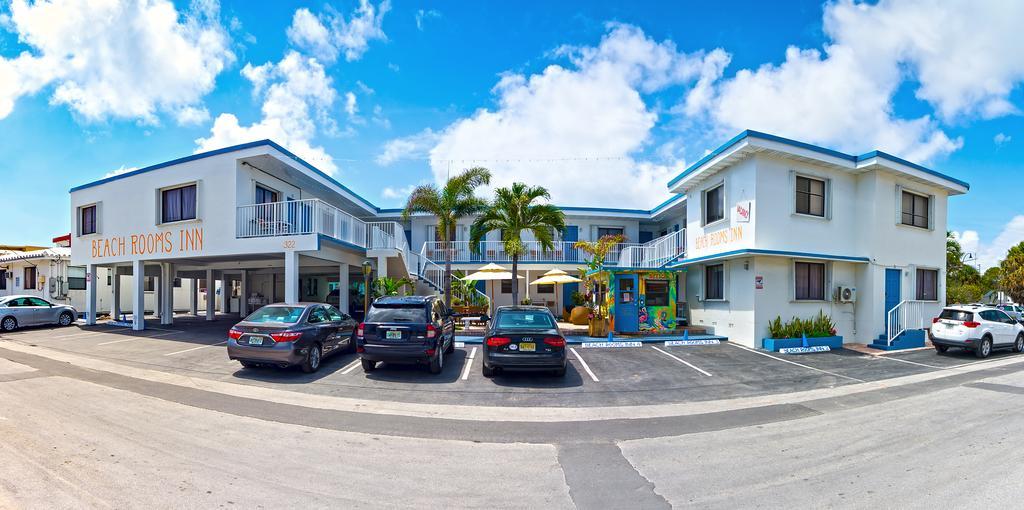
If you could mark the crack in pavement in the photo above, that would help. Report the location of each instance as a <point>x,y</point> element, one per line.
<point>599,476</point>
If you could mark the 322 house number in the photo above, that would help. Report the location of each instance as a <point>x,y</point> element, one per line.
<point>288,244</point>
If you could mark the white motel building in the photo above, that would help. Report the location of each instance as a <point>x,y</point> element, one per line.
<point>761,227</point>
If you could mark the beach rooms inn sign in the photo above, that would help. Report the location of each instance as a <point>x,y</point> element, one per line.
<point>184,240</point>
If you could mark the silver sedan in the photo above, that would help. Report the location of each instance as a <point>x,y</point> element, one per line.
<point>19,311</point>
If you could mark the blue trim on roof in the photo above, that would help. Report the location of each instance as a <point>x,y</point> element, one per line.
<point>755,251</point>
<point>325,237</point>
<point>804,145</point>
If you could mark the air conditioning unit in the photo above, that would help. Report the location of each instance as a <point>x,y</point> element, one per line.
<point>846,294</point>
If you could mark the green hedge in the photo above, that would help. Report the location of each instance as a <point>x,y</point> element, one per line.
<point>818,326</point>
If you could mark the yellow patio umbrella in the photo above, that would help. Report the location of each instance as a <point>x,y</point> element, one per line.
<point>556,277</point>
<point>490,272</point>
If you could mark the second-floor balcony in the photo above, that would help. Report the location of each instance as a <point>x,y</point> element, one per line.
<point>494,251</point>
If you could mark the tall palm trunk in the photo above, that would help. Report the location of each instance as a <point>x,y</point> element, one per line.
<point>515,280</point>
<point>448,274</point>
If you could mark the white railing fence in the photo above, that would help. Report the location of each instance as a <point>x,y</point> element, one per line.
<point>908,314</point>
<point>297,217</point>
<point>656,252</point>
<point>494,251</point>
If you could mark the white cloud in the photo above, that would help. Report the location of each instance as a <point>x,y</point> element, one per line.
<point>393,193</point>
<point>423,15</point>
<point>1002,138</point>
<point>410,147</point>
<point>329,33</point>
<point>119,171</point>
<point>351,106</point>
<point>297,94</point>
<point>989,254</point>
<point>125,60</point>
<point>593,110</point>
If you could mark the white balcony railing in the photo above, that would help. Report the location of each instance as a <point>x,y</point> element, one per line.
<point>655,253</point>
<point>494,251</point>
<point>298,217</point>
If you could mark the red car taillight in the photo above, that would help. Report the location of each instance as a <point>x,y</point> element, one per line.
<point>286,336</point>
<point>361,329</point>
<point>498,341</point>
<point>971,324</point>
<point>936,320</point>
<point>555,341</point>
<point>431,331</point>
<point>234,334</point>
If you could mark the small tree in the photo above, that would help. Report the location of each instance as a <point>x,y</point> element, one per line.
<point>455,200</point>
<point>511,212</point>
<point>385,286</point>
<point>1011,271</point>
<point>598,250</point>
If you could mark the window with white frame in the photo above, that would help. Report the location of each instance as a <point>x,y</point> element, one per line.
<point>87,220</point>
<point>809,281</point>
<point>915,210</point>
<point>265,195</point>
<point>178,204</point>
<point>714,204</point>
<point>609,231</point>
<point>76,278</point>
<point>927,285</point>
<point>810,196</point>
<point>714,282</point>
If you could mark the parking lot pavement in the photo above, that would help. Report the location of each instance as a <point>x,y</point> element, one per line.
<point>650,374</point>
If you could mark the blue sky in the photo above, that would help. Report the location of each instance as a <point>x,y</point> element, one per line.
<point>572,95</point>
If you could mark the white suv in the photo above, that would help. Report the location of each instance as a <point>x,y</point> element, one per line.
<point>979,328</point>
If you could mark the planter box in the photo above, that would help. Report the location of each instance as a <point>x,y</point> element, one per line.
<point>774,344</point>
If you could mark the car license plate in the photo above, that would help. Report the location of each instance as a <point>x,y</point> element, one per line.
<point>393,334</point>
<point>255,340</point>
<point>527,346</point>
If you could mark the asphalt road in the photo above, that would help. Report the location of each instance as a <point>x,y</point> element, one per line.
<point>82,438</point>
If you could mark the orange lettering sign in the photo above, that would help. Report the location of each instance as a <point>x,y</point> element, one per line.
<point>188,240</point>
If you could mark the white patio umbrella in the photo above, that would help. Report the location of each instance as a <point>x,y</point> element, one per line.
<point>556,277</point>
<point>490,272</point>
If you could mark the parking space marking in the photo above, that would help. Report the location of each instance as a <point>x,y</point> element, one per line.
<point>350,367</point>
<point>911,362</point>
<point>161,334</point>
<point>115,341</point>
<point>681,361</point>
<point>196,348</point>
<point>469,363</point>
<point>84,333</point>
<point>583,364</point>
<point>795,363</point>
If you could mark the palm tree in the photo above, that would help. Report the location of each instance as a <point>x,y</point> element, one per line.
<point>455,200</point>
<point>385,286</point>
<point>512,212</point>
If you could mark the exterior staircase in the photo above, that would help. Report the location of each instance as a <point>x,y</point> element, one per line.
<point>904,327</point>
<point>655,253</point>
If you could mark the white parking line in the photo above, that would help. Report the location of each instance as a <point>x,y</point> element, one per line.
<point>890,358</point>
<point>116,341</point>
<point>795,363</point>
<point>196,348</point>
<point>469,363</point>
<point>583,364</point>
<point>681,361</point>
<point>160,334</point>
<point>350,367</point>
<point>84,333</point>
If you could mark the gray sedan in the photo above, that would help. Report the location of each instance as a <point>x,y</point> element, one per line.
<point>19,311</point>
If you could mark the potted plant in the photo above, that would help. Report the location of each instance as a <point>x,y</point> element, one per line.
<point>819,331</point>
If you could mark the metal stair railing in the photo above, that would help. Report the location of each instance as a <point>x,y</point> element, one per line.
<point>908,314</point>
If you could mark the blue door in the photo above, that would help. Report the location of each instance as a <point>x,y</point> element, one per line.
<point>627,314</point>
<point>892,291</point>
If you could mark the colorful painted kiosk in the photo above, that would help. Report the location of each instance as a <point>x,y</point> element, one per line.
<point>639,301</point>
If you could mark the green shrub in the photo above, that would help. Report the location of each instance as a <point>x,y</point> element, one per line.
<point>819,326</point>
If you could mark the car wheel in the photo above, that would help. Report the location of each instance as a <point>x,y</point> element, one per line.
<point>560,372</point>
<point>488,371</point>
<point>941,348</point>
<point>312,362</point>
<point>368,366</point>
<point>1018,346</point>
<point>248,364</point>
<point>9,324</point>
<point>984,348</point>
<point>65,319</point>
<point>437,364</point>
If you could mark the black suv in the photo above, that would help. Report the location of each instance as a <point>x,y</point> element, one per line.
<point>411,329</point>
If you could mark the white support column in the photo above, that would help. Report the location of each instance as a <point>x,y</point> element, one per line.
<point>382,266</point>
<point>343,304</point>
<point>193,298</point>
<point>115,287</point>
<point>225,289</point>
<point>138,295</point>
<point>291,277</point>
<point>167,292</point>
<point>243,298</point>
<point>211,295</point>
<point>90,294</point>
<point>527,282</point>
<point>158,293</point>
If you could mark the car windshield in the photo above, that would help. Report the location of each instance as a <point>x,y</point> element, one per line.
<point>525,319</point>
<point>956,315</point>
<point>397,313</point>
<point>288,314</point>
